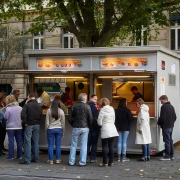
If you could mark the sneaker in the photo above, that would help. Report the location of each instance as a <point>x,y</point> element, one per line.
<point>124,159</point>
<point>165,159</point>
<point>7,158</point>
<point>50,162</point>
<point>172,158</point>
<point>93,161</point>
<point>18,157</point>
<point>119,160</point>
<point>58,161</point>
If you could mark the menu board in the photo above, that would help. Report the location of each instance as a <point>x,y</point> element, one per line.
<point>123,62</point>
<point>59,64</point>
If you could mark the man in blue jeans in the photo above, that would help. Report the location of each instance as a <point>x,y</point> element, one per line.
<point>81,120</point>
<point>93,131</point>
<point>166,121</point>
<point>31,115</point>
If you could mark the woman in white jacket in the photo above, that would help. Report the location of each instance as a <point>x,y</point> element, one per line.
<point>106,120</point>
<point>143,132</point>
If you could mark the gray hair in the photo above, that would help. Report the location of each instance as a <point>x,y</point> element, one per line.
<point>82,97</point>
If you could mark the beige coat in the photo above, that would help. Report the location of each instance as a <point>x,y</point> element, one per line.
<point>143,132</point>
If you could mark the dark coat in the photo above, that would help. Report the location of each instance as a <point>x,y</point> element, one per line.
<point>167,116</point>
<point>81,116</point>
<point>123,118</point>
<point>31,113</point>
<point>95,114</point>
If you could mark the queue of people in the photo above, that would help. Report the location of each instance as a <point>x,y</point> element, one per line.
<point>88,121</point>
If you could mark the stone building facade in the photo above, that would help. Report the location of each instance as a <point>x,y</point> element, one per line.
<point>168,37</point>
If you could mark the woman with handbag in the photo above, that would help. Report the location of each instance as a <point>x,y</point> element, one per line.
<point>55,125</point>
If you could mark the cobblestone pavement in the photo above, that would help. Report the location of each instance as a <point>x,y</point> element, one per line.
<point>132,170</point>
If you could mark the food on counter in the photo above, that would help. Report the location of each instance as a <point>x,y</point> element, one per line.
<point>129,64</point>
<point>123,63</point>
<point>133,112</point>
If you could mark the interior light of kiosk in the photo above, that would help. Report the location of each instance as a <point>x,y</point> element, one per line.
<point>98,84</point>
<point>59,77</point>
<point>104,77</point>
<point>134,82</point>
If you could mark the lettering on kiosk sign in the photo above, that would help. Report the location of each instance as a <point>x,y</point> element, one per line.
<point>123,62</point>
<point>59,64</point>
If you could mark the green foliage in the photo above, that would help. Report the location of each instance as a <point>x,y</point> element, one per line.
<point>93,22</point>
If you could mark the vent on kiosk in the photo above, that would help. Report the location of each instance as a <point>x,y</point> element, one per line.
<point>172,80</point>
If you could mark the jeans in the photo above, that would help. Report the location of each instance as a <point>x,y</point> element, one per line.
<point>122,142</point>
<point>167,138</point>
<point>17,133</point>
<point>92,142</point>
<point>54,134</point>
<point>83,134</point>
<point>108,143</point>
<point>31,142</point>
<point>146,150</point>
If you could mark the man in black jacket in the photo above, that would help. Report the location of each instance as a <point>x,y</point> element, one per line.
<point>81,121</point>
<point>31,115</point>
<point>166,121</point>
<point>94,130</point>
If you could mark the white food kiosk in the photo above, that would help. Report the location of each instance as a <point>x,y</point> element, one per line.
<point>110,73</point>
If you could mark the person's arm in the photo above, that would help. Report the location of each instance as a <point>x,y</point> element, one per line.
<point>90,117</point>
<point>62,121</point>
<point>71,116</point>
<point>162,116</point>
<point>100,118</point>
<point>1,115</point>
<point>24,114</point>
<point>48,114</point>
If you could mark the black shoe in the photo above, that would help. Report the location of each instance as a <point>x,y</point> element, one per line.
<point>4,149</point>
<point>24,162</point>
<point>148,159</point>
<point>142,159</point>
<point>34,161</point>
<point>110,164</point>
<point>82,165</point>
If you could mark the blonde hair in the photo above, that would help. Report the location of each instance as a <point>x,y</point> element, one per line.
<point>104,102</point>
<point>140,101</point>
<point>10,99</point>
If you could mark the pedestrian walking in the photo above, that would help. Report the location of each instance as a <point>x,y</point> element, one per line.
<point>1,134</point>
<point>106,120</point>
<point>13,126</point>
<point>81,120</point>
<point>166,121</point>
<point>31,115</point>
<point>94,130</point>
<point>123,118</point>
<point>55,126</point>
<point>143,131</point>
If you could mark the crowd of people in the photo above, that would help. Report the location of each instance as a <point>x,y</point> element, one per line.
<point>88,119</point>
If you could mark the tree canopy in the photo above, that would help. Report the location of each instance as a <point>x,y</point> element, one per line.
<point>94,22</point>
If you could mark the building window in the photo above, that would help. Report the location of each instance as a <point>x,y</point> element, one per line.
<point>68,40</point>
<point>175,32</point>
<point>38,40</point>
<point>141,37</point>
